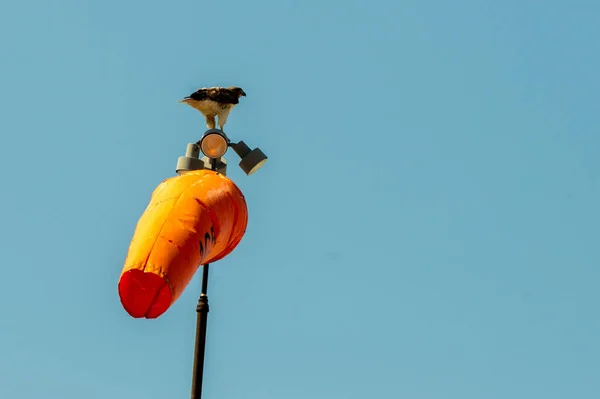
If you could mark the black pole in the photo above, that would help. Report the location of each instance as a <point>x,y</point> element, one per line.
<point>201,318</point>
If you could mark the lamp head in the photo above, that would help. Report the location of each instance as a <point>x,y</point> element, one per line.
<point>214,143</point>
<point>190,161</point>
<point>252,160</point>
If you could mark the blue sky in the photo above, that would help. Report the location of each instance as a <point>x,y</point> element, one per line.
<point>426,226</point>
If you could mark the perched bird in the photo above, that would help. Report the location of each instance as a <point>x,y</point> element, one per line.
<point>215,101</point>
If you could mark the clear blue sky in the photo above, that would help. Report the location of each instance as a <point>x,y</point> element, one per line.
<point>427,226</point>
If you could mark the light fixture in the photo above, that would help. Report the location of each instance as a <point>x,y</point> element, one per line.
<point>214,143</point>
<point>252,160</point>
<point>190,161</point>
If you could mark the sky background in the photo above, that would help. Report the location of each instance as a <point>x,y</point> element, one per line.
<point>426,227</point>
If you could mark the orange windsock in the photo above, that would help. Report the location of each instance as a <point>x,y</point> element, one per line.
<point>192,219</point>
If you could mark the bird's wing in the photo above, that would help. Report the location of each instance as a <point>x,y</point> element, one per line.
<point>199,95</point>
<point>218,94</point>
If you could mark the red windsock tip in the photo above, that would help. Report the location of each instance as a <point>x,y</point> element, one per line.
<point>144,294</point>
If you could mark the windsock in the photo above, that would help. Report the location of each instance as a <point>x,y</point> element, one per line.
<point>192,219</point>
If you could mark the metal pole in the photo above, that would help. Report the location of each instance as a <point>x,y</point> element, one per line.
<point>201,318</point>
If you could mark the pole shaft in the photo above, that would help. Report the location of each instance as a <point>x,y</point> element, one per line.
<point>201,319</point>
<point>200,346</point>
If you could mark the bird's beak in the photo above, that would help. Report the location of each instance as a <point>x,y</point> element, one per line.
<point>243,94</point>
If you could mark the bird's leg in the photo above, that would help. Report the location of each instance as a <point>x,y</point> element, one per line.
<point>210,121</point>
<point>223,117</point>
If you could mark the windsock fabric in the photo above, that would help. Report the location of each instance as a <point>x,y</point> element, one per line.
<point>192,219</point>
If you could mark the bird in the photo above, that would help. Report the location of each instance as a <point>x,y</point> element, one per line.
<point>215,102</point>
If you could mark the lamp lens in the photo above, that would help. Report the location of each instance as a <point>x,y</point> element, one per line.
<point>257,166</point>
<point>213,145</point>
